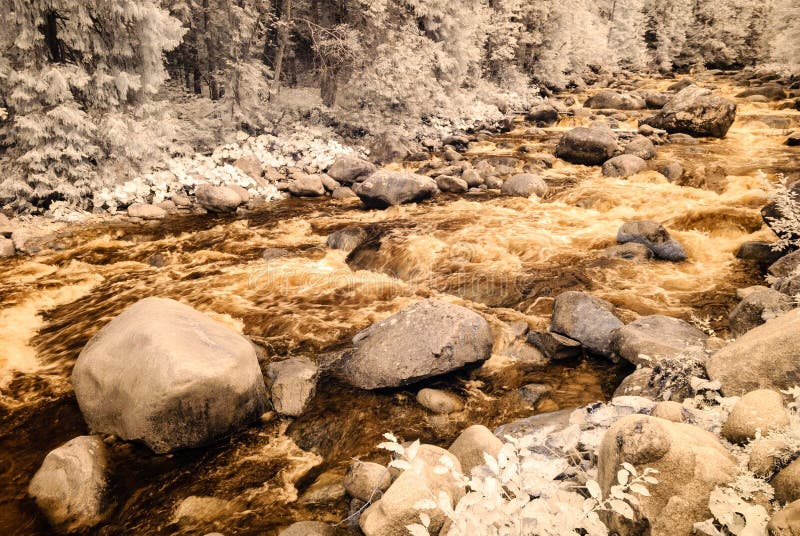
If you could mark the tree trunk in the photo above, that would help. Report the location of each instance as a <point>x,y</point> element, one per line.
<point>283,39</point>
<point>328,88</point>
<point>50,31</point>
<point>212,83</point>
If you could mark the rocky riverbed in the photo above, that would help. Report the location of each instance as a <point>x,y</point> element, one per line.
<point>529,269</point>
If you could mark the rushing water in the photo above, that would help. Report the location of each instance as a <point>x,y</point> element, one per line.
<point>503,257</point>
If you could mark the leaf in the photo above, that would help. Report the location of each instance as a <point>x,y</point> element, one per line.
<point>400,464</point>
<point>622,508</point>
<point>492,463</point>
<point>425,519</point>
<point>411,451</point>
<point>392,447</point>
<point>417,530</point>
<point>630,468</point>
<point>390,436</point>
<point>640,489</point>
<point>622,476</point>
<point>650,479</point>
<point>594,489</point>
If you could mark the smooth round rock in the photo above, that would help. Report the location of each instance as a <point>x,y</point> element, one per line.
<point>757,410</point>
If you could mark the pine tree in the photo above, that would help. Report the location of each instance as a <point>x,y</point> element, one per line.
<point>67,64</point>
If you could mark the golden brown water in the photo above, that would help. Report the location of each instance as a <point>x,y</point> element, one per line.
<point>503,257</point>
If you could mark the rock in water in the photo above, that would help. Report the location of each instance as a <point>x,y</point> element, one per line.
<point>642,147</point>
<point>590,146</point>
<point>308,528</point>
<point>615,100</point>
<point>694,110</point>
<point>586,319</point>
<point>763,358</point>
<point>424,340</point>
<point>524,185</point>
<point>169,376</point>
<point>623,165</point>
<point>438,401</point>
<point>349,168</point>
<point>690,463</point>
<point>367,480</point>
<point>292,383</point>
<point>383,189</point>
<point>346,239</point>
<point>654,236</point>
<point>70,485</point>
<point>543,115</point>
<point>305,185</point>
<point>649,339</point>
<point>757,308</point>
<point>470,446</point>
<point>146,211</point>
<point>217,198</point>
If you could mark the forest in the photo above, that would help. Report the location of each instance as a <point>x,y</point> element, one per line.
<point>94,92</point>
<point>400,267</point>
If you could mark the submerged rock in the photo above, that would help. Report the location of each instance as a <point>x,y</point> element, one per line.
<point>586,319</point>
<point>308,528</point>
<point>554,345</point>
<point>760,252</point>
<point>424,340</point>
<point>70,486</point>
<point>387,188</point>
<point>543,115</point>
<point>346,239</point>
<point>641,147</point>
<point>438,401</point>
<point>146,211</point>
<point>770,91</point>
<point>169,376</point>
<point>654,236</point>
<point>694,110</point>
<point>632,251</point>
<point>367,480</point>
<point>590,146</point>
<point>690,463</point>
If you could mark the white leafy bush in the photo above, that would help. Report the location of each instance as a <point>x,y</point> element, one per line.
<point>787,227</point>
<point>523,491</point>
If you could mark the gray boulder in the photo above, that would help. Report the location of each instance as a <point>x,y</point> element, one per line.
<point>349,168</point>
<point>650,339</point>
<point>616,100</point>
<point>448,183</point>
<point>590,146</point>
<point>542,115</point>
<point>759,252</point>
<point>654,236</point>
<point>555,346</point>
<point>387,188</point>
<point>524,185</point>
<point>758,411</point>
<point>758,307</point>
<point>673,171</point>
<point>292,383</point>
<point>770,91</point>
<point>388,147</point>
<point>305,185</point>
<point>308,528</point>
<point>763,358</point>
<point>697,112</point>
<point>343,192</point>
<point>641,147</point>
<point>785,265</point>
<point>169,376</point>
<point>367,480</point>
<point>424,340</point>
<point>623,165</point>
<point>438,401</point>
<point>470,446</point>
<point>146,211</point>
<point>586,319</point>
<point>217,198</point>
<point>70,486</point>
<point>786,522</point>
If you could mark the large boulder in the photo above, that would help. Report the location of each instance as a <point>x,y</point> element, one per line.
<point>690,463</point>
<point>396,509</point>
<point>695,111</point>
<point>758,411</point>
<point>586,319</point>
<point>590,146</point>
<point>785,265</point>
<point>787,483</point>
<point>616,100</point>
<point>642,147</point>
<point>454,185</point>
<point>623,165</point>
<point>524,185</point>
<point>424,340</point>
<point>146,211</point>
<point>650,339</point>
<point>217,198</point>
<point>388,147</point>
<point>305,185</point>
<point>759,252</point>
<point>763,358</point>
<point>770,91</point>
<point>70,486</point>
<point>786,522</point>
<point>292,383</point>
<point>383,189</point>
<point>654,236</point>
<point>169,376</point>
<point>757,308</point>
<point>367,480</point>
<point>349,168</point>
<point>346,239</point>
<point>542,115</point>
